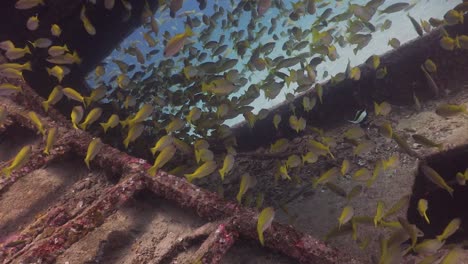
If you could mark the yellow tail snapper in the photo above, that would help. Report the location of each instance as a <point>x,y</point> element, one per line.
<point>7,89</point>
<point>55,30</point>
<point>133,133</point>
<point>20,159</point>
<point>112,122</point>
<point>96,95</point>
<point>93,149</point>
<point>450,229</point>
<point>17,53</point>
<point>37,122</point>
<point>145,111</point>
<point>448,110</point>
<point>165,156</point>
<point>426,142</point>
<point>265,219</point>
<point>92,116</point>
<point>346,215</point>
<point>54,97</point>
<point>175,44</point>
<point>228,164</point>
<point>86,23</point>
<point>72,94</point>
<point>327,176</point>
<point>422,209</point>
<point>434,177</point>
<point>32,23</point>
<point>28,4</point>
<point>76,115</point>
<point>51,139</point>
<point>163,142</point>
<point>58,72</point>
<point>247,182</point>
<point>204,170</point>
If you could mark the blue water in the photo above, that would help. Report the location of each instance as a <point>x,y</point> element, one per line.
<point>401,29</point>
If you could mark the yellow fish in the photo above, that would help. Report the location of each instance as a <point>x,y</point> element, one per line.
<point>93,149</point>
<point>96,95</point>
<point>193,115</point>
<point>163,142</point>
<point>51,139</point>
<point>133,133</point>
<point>379,214</point>
<point>309,157</point>
<point>345,166</point>
<point>453,257</point>
<point>17,66</point>
<point>17,53</point>
<point>72,94</point>
<point>86,23</point>
<point>76,115</point>
<point>422,208</point>
<point>20,159</point>
<point>112,122</point>
<point>176,43</point>
<point>276,121</point>
<point>382,109</point>
<point>428,246</point>
<point>54,96</point>
<point>37,122</point>
<point>450,229</point>
<point>447,110</point>
<point>326,176</point>
<point>145,111</point>
<point>175,125</point>
<point>32,23</point>
<point>27,4</point>
<point>346,215</point>
<point>92,116</point>
<point>265,219</point>
<point>354,133</point>
<point>218,87</point>
<point>7,89</point>
<point>55,51</point>
<point>279,146</point>
<point>297,124</point>
<point>164,157</point>
<point>434,177</point>
<point>228,163</point>
<point>55,30</point>
<point>247,182</point>
<point>204,170</point>
<point>320,148</point>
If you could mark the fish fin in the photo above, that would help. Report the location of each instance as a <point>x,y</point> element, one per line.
<point>45,105</point>
<point>152,171</point>
<point>7,171</point>
<point>87,163</point>
<point>104,126</point>
<point>87,100</point>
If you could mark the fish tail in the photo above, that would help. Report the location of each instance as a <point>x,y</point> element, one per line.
<point>49,70</point>
<point>314,183</point>
<point>124,123</point>
<point>83,126</point>
<point>7,171</point>
<point>87,163</point>
<point>45,105</point>
<point>46,151</point>
<point>87,100</point>
<point>153,150</point>
<point>329,152</point>
<point>189,177</point>
<point>126,142</point>
<point>75,126</point>
<point>260,237</point>
<point>221,172</point>
<point>104,126</point>
<point>32,43</point>
<point>152,171</point>
<point>188,31</point>
<point>27,66</point>
<point>440,238</point>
